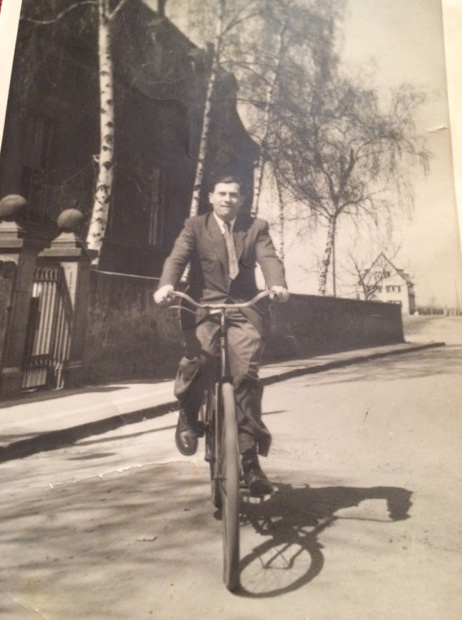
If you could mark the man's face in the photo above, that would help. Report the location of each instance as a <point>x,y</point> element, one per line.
<point>226,200</point>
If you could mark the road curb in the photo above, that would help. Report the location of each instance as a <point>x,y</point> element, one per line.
<point>52,440</point>
<point>323,366</point>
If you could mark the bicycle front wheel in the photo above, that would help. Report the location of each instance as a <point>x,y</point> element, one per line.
<point>230,489</point>
<point>213,439</point>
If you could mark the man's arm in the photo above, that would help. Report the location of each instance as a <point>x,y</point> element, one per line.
<point>175,264</point>
<point>271,265</point>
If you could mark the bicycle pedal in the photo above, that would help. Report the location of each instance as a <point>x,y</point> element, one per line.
<point>200,429</point>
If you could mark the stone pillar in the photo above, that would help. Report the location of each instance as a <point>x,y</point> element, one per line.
<point>72,253</point>
<point>23,246</point>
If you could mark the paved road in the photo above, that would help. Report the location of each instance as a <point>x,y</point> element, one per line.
<point>365,522</point>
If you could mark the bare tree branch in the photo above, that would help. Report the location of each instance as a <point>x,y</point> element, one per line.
<point>121,4</point>
<point>45,22</point>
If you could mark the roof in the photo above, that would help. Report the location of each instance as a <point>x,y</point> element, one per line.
<point>400,272</point>
<point>158,60</point>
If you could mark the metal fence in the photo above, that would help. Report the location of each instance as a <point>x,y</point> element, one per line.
<point>49,328</point>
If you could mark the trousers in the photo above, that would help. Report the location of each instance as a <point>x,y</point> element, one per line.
<point>245,347</point>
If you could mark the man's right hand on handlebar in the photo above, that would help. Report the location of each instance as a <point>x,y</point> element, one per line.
<point>164,294</point>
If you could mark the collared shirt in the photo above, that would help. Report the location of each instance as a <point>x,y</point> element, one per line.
<point>221,223</point>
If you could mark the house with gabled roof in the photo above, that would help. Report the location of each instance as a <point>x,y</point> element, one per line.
<point>382,281</point>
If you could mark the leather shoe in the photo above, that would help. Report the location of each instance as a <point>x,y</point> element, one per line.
<point>185,435</point>
<point>255,478</point>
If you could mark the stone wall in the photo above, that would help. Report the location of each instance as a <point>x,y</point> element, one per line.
<point>129,337</point>
<point>310,325</point>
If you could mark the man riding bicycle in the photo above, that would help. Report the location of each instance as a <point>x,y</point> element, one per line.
<point>222,248</point>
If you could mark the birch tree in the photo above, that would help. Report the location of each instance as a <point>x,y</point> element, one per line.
<point>216,50</point>
<point>345,155</point>
<point>267,114</point>
<point>288,29</point>
<point>230,17</point>
<point>105,160</point>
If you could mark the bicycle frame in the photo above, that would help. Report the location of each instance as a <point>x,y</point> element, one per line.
<point>222,440</point>
<point>223,309</point>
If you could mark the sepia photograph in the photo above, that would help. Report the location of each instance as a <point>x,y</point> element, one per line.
<point>230,309</point>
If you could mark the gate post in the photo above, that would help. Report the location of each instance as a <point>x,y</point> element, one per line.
<point>21,243</point>
<point>76,259</point>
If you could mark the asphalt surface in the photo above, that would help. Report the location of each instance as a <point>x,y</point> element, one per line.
<point>45,420</point>
<point>364,522</point>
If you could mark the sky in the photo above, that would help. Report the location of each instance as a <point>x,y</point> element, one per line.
<point>403,42</point>
<point>388,42</point>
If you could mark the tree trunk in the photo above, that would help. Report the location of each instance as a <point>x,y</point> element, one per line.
<point>266,124</point>
<point>281,249</point>
<point>103,189</point>
<point>326,259</point>
<point>203,144</point>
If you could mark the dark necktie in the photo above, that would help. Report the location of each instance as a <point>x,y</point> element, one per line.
<point>231,250</point>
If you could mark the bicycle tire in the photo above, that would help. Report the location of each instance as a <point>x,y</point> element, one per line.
<point>213,445</point>
<point>230,489</point>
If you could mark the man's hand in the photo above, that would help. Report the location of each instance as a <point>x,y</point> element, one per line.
<point>279,294</point>
<point>164,294</point>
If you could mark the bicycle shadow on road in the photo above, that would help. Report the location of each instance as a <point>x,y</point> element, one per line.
<point>294,518</point>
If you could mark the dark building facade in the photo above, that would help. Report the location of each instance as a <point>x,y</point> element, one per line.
<point>55,317</point>
<point>52,128</point>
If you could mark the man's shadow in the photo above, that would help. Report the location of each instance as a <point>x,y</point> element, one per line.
<point>294,518</point>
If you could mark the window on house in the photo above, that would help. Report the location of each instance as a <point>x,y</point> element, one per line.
<point>386,274</point>
<point>393,288</point>
<point>39,135</point>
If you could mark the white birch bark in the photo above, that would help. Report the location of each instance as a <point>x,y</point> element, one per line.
<point>281,249</point>
<point>326,259</point>
<point>258,175</point>
<point>205,130</point>
<point>105,159</point>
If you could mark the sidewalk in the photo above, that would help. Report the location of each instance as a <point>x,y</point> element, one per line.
<point>48,420</point>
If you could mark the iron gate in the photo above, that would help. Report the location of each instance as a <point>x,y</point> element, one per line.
<point>49,328</point>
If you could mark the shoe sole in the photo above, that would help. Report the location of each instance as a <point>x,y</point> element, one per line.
<point>181,449</point>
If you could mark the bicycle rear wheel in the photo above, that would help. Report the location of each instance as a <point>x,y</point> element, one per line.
<point>230,489</point>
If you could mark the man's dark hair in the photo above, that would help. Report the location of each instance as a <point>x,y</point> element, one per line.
<point>225,178</point>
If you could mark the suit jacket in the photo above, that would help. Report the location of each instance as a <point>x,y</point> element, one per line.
<point>201,243</point>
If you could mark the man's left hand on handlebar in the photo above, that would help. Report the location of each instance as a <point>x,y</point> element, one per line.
<point>164,294</point>
<point>279,294</point>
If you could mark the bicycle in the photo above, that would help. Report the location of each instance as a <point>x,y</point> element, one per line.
<point>218,422</point>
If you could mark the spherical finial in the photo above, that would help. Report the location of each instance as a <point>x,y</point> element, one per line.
<point>12,207</point>
<point>70,220</point>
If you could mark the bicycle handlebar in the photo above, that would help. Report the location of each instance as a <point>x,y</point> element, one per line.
<point>237,306</point>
